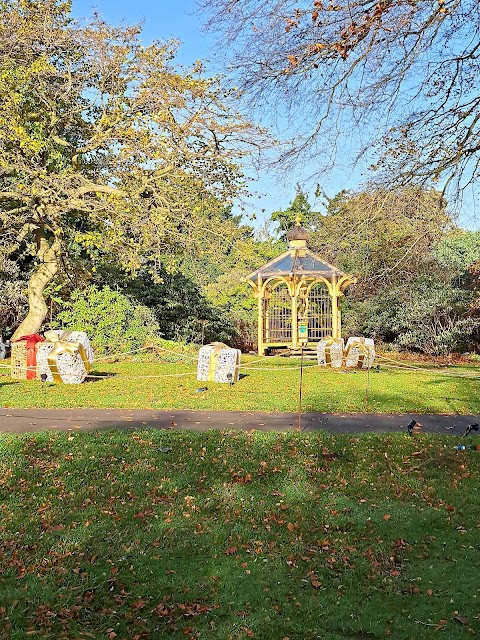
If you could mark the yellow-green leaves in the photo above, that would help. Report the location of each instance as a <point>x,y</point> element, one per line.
<point>108,141</point>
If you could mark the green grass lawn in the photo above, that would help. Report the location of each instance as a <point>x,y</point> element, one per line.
<point>269,385</point>
<point>226,536</point>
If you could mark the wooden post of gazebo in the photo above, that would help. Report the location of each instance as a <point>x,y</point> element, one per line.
<point>297,278</point>
<point>260,316</point>
<point>294,307</point>
<point>335,307</point>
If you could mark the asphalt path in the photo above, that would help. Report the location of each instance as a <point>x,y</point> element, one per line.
<point>79,420</point>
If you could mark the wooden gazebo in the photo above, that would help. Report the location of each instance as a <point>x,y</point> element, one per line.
<point>298,297</point>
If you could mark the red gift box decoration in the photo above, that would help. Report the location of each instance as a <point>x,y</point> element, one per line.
<point>31,341</point>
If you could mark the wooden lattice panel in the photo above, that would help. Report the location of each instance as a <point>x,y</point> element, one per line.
<point>19,360</point>
<point>279,315</point>
<point>319,313</point>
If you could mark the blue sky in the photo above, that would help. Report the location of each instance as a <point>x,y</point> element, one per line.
<point>163,20</point>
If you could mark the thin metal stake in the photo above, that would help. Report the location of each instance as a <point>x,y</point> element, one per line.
<point>43,378</point>
<point>300,391</point>
<point>367,391</point>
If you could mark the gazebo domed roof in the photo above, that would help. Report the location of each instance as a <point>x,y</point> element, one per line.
<point>298,261</point>
<point>290,262</point>
<point>298,232</point>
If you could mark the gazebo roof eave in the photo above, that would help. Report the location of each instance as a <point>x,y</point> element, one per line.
<point>266,273</point>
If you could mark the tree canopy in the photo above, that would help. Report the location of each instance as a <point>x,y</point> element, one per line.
<point>411,262</point>
<point>384,237</point>
<point>106,143</point>
<point>298,208</point>
<point>459,251</point>
<point>402,74</point>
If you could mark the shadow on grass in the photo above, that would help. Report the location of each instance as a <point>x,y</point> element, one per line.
<point>5,384</point>
<point>279,536</point>
<point>463,394</point>
<point>98,376</point>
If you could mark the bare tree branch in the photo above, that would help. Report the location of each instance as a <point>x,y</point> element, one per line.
<point>395,77</point>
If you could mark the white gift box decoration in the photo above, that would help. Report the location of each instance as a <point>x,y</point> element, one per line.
<point>68,365</point>
<point>359,352</point>
<point>43,351</point>
<point>79,336</point>
<point>218,363</point>
<point>330,352</point>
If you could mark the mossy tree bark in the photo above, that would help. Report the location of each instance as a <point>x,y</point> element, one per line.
<point>48,253</point>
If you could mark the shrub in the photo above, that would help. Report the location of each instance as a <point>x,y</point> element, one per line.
<point>13,299</point>
<point>428,315</point>
<point>112,321</point>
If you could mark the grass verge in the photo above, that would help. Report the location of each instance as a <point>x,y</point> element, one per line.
<point>226,536</point>
<point>271,385</point>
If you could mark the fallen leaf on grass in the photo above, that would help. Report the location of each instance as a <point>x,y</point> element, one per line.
<point>461,619</point>
<point>328,455</point>
<point>387,517</point>
<point>239,479</point>
<point>191,609</point>
<point>230,551</point>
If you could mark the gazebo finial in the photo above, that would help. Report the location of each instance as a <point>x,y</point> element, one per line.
<point>298,235</point>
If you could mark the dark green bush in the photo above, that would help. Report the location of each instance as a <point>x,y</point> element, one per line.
<point>426,315</point>
<point>113,322</point>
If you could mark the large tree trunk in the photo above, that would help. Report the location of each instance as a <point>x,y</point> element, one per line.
<point>48,255</point>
